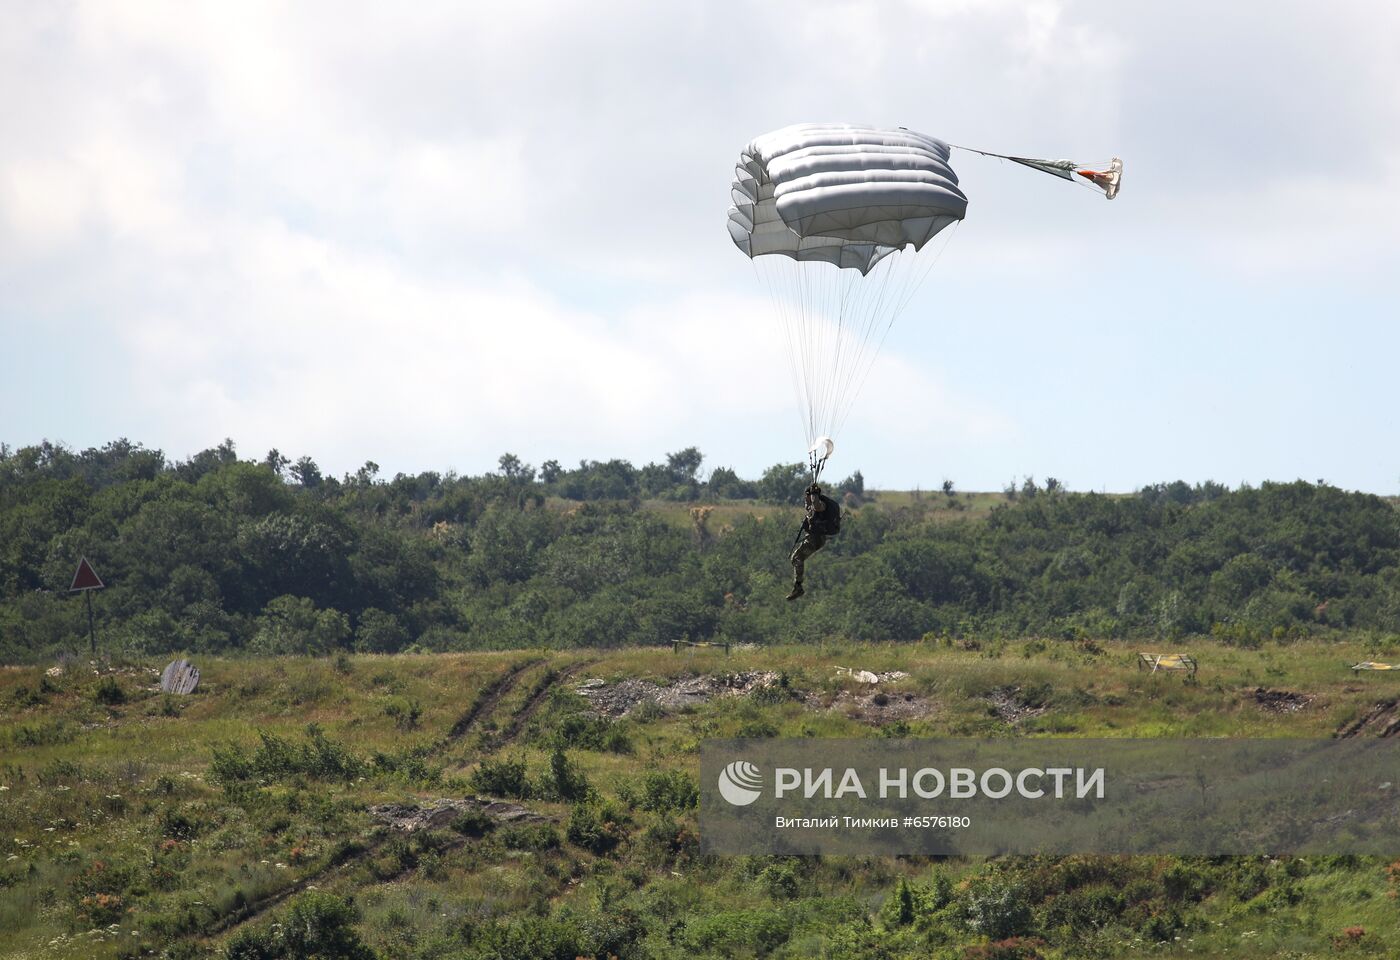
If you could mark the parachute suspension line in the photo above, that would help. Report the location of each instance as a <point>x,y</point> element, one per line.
<point>911,288</point>
<point>831,322</point>
<point>894,270</point>
<point>766,275</point>
<point>871,311</point>
<point>1101,176</point>
<point>834,322</point>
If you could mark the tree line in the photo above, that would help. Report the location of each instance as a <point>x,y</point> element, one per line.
<point>218,553</point>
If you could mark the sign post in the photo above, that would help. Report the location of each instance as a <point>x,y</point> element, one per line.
<point>85,579</point>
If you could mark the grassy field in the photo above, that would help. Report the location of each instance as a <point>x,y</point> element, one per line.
<point>138,822</point>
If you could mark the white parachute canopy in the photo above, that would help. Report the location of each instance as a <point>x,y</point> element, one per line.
<point>833,216</point>
<point>812,198</point>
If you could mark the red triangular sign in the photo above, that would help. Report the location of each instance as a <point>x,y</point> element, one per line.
<point>86,578</point>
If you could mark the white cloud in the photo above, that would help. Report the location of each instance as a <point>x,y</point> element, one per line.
<point>419,233</point>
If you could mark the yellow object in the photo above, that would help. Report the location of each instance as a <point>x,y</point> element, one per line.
<point>1167,661</point>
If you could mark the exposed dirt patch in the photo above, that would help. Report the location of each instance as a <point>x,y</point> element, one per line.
<point>1281,701</point>
<point>875,708</point>
<point>621,698</point>
<point>437,814</point>
<point>1012,705</point>
<point>1383,720</point>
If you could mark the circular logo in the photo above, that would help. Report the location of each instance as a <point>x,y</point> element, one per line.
<point>740,783</point>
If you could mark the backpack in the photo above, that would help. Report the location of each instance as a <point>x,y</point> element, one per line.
<point>831,516</point>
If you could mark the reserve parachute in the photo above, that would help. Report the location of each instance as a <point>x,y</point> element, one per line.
<point>833,217</point>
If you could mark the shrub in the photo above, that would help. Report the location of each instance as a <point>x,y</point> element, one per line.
<point>565,780</point>
<point>175,825</point>
<point>279,759</point>
<point>405,714</point>
<point>473,822</point>
<point>587,732</point>
<point>109,692</point>
<point>530,836</point>
<point>501,778</point>
<point>597,830</point>
<point>756,730</point>
<point>1086,908</point>
<point>230,766</point>
<point>997,909</point>
<point>772,694</point>
<point>1012,948</point>
<point>740,932</point>
<point>780,881</point>
<point>898,908</point>
<point>24,697</point>
<point>97,892</point>
<point>669,841</point>
<point>664,791</point>
<point>319,925</point>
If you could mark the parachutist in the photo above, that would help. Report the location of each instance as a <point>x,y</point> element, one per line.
<point>822,519</point>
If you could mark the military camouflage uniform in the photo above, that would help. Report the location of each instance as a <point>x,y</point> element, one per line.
<point>813,539</point>
<point>808,545</point>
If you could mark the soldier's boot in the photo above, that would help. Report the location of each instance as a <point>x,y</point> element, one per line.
<point>797,591</point>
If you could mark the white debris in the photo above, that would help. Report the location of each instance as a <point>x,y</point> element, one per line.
<point>867,676</point>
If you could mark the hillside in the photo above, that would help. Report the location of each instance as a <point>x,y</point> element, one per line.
<point>220,555</point>
<point>190,825</point>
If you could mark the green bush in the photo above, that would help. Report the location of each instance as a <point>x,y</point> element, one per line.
<point>530,836</point>
<point>501,778</point>
<point>773,694</point>
<point>756,730</point>
<point>739,932</point>
<point>109,692</point>
<point>596,829</point>
<point>667,791</point>
<point>997,909</point>
<point>473,822</point>
<point>404,713</point>
<point>898,908</point>
<point>781,881</point>
<point>565,780</point>
<point>585,731</point>
<point>316,926</point>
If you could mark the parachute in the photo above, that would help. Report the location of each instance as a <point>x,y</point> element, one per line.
<point>833,217</point>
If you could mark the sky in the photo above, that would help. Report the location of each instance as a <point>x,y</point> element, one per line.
<point>427,234</point>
